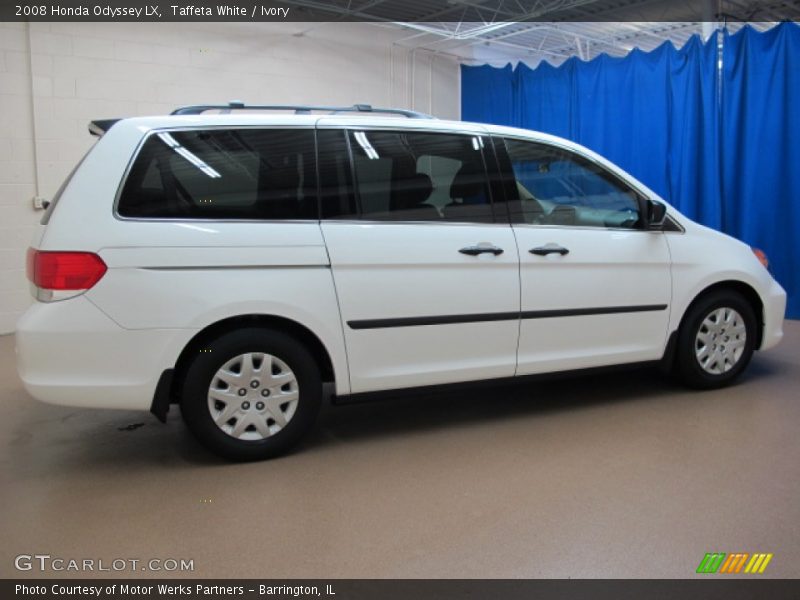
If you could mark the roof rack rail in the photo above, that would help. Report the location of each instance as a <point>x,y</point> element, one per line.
<point>299,109</point>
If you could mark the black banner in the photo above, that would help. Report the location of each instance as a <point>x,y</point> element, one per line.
<point>466,11</point>
<point>403,589</point>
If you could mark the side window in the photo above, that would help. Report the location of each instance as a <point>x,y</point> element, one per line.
<point>260,174</point>
<point>557,187</point>
<point>337,196</point>
<point>419,176</point>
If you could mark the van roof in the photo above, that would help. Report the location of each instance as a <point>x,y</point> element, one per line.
<point>100,126</point>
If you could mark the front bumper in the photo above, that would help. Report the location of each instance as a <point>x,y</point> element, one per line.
<point>774,312</point>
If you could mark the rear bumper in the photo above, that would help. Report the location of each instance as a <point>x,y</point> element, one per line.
<point>71,353</point>
<point>774,312</point>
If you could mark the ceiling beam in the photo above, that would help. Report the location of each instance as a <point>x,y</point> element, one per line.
<point>477,4</point>
<point>623,42</point>
<point>502,44</point>
<point>477,32</point>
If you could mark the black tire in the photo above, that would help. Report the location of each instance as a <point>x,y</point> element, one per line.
<point>217,353</point>
<point>688,367</point>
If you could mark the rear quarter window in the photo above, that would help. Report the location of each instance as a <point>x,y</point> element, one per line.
<point>256,174</point>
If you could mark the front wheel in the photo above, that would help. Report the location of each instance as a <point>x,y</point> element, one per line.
<point>251,394</point>
<point>716,340</point>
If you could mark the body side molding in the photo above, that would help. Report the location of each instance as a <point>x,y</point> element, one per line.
<point>502,316</point>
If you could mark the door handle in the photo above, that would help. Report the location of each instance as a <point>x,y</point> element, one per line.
<point>549,249</point>
<point>481,249</point>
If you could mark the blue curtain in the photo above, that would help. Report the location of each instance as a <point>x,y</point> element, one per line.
<point>495,103</point>
<point>722,149</point>
<point>761,147</point>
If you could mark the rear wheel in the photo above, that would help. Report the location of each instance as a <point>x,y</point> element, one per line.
<point>251,394</point>
<point>716,340</point>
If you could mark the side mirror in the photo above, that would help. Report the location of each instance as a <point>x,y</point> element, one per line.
<point>655,213</point>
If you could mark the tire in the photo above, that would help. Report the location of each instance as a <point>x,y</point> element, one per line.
<point>711,352</point>
<point>269,409</point>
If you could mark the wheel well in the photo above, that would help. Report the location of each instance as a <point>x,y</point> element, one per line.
<point>749,294</point>
<point>296,330</point>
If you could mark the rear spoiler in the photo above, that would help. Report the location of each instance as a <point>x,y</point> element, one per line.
<point>100,126</point>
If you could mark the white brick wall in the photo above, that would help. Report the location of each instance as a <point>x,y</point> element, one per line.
<point>54,78</point>
<point>17,177</point>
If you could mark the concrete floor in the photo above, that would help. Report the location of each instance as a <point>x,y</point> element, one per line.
<point>619,475</point>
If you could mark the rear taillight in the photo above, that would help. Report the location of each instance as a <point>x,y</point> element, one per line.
<point>63,272</point>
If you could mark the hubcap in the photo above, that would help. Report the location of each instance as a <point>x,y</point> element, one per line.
<point>253,396</point>
<point>720,341</point>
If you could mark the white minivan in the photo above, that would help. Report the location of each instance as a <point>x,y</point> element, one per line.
<point>232,260</point>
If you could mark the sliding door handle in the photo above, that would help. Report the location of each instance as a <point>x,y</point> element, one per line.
<point>481,249</point>
<point>549,249</point>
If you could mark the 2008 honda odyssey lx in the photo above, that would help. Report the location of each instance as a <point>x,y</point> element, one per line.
<point>232,263</point>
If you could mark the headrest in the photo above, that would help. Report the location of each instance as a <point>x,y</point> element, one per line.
<point>469,181</point>
<point>410,192</point>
